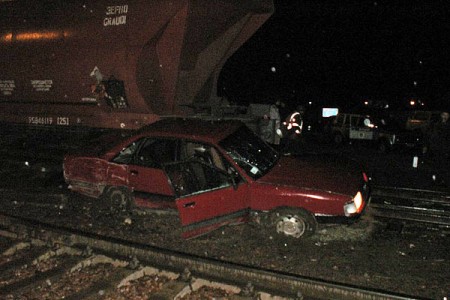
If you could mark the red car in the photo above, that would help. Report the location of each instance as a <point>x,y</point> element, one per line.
<point>214,173</point>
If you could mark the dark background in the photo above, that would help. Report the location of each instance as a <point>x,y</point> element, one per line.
<point>343,53</point>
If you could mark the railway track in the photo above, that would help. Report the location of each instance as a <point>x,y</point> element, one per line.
<point>77,253</point>
<point>299,286</point>
<point>63,272</point>
<point>424,206</point>
<point>401,204</point>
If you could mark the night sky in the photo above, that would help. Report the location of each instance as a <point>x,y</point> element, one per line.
<point>345,52</point>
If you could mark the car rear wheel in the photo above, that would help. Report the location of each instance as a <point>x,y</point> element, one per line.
<point>292,223</point>
<point>119,200</point>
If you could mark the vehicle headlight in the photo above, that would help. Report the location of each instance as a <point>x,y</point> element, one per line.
<point>355,206</point>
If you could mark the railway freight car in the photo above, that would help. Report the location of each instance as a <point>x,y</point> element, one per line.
<point>116,64</point>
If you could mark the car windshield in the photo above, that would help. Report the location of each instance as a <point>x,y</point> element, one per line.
<point>250,152</point>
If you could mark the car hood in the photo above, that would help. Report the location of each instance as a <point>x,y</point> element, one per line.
<point>326,173</point>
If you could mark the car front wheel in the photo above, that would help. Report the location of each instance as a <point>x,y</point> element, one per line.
<point>292,223</point>
<point>338,139</point>
<point>383,146</point>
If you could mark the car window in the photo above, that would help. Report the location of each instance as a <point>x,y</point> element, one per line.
<point>193,177</point>
<point>154,152</point>
<point>339,121</point>
<point>422,116</point>
<point>250,152</point>
<point>354,120</point>
<point>364,122</point>
<point>202,152</point>
<point>125,156</point>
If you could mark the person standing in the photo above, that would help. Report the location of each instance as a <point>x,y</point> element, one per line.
<point>440,148</point>
<point>274,119</point>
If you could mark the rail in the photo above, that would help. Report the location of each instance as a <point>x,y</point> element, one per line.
<point>274,282</point>
<point>431,207</point>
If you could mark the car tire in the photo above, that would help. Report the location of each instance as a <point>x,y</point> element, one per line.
<point>382,146</point>
<point>118,200</point>
<point>291,223</point>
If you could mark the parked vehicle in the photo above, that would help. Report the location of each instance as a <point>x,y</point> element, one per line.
<point>342,126</point>
<point>421,120</point>
<point>382,132</point>
<point>217,173</point>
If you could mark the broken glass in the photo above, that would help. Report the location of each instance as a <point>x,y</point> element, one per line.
<point>250,152</point>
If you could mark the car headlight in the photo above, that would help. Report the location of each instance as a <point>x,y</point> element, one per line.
<point>355,206</point>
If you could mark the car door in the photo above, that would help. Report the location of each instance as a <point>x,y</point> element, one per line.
<point>207,197</point>
<point>147,179</point>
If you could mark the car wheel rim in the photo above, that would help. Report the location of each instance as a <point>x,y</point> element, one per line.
<point>291,226</point>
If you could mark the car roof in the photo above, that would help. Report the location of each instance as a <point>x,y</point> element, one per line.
<point>205,130</point>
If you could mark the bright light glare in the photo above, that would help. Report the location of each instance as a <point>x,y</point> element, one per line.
<point>6,38</point>
<point>358,200</point>
<point>34,36</point>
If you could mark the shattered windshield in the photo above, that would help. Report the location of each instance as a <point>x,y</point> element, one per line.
<point>250,152</point>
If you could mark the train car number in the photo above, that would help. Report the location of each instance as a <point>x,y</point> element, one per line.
<point>63,121</point>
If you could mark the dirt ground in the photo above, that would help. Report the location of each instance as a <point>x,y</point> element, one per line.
<point>403,258</point>
<point>407,260</point>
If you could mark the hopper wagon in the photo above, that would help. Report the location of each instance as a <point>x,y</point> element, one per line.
<point>116,64</point>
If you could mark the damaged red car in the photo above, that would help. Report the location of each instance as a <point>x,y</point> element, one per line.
<point>215,173</point>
